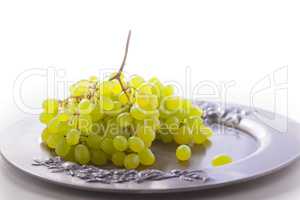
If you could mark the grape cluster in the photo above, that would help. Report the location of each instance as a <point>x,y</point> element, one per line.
<point>117,120</point>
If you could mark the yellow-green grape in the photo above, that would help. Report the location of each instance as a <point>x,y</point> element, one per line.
<point>183,152</point>
<point>187,106</point>
<point>74,121</point>
<point>78,90</point>
<point>73,137</point>
<point>199,138</point>
<point>118,158</point>
<point>64,117</point>
<point>82,154</point>
<point>116,87</point>
<point>63,127</point>
<point>45,117</point>
<point>53,125</point>
<point>146,133</point>
<point>105,88</point>
<point>124,119</point>
<point>54,139</point>
<point>144,88</point>
<point>98,157</point>
<point>131,161</point>
<point>94,141</point>
<point>195,123</point>
<point>148,143</point>
<point>172,124</point>
<point>196,111</point>
<point>136,144</point>
<point>172,103</point>
<point>137,113</point>
<point>167,90</point>
<point>106,103</point>
<point>123,98</point>
<point>147,102</point>
<point>84,123</point>
<point>96,113</point>
<point>183,135</point>
<point>166,137</point>
<point>107,146</point>
<point>146,157</point>
<point>45,135</point>
<point>85,106</point>
<point>135,81</point>
<point>50,106</point>
<point>221,160</point>
<point>120,143</point>
<point>62,148</point>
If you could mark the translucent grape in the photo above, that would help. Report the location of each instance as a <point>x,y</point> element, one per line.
<point>97,113</point>
<point>51,106</point>
<point>124,119</point>
<point>136,144</point>
<point>71,154</point>
<point>82,154</point>
<point>146,133</point>
<point>183,135</point>
<point>84,123</point>
<point>172,103</point>
<point>136,81</point>
<point>199,138</point>
<point>123,98</point>
<point>196,111</point>
<point>137,113</point>
<point>54,139</point>
<point>85,106</point>
<point>166,137</point>
<point>116,87</point>
<point>106,103</point>
<point>105,88</point>
<point>64,117</point>
<point>147,102</point>
<point>144,88</point>
<point>172,123</point>
<point>206,131</point>
<point>45,117</point>
<point>62,148</point>
<point>78,90</point>
<point>120,143</point>
<point>183,152</point>
<point>167,90</point>
<point>118,158</point>
<point>221,160</point>
<point>73,137</point>
<point>94,141</point>
<point>107,146</point>
<point>131,161</point>
<point>146,157</point>
<point>98,157</point>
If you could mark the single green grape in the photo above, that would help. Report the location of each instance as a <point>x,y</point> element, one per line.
<point>79,90</point>
<point>64,117</point>
<point>118,158</point>
<point>167,90</point>
<point>183,136</point>
<point>70,155</point>
<point>124,119</point>
<point>183,152</point>
<point>107,146</point>
<point>199,138</point>
<point>146,157</point>
<point>172,124</point>
<point>145,89</point>
<point>135,81</point>
<point>96,113</point>
<point>54,139</point>
<point>106,103</point>
<point>147,101</point>
<point>120,143</point>
<point>84,123</point>
<point>123,98</point>
<point>221,160</point>
<point>85,106</point>
<point>94,141</point>
<point>51,106</point>
<point>166,137</point>
<point>146,133</point>
<point>73,137</point>
<point>196,111</point>
<point>172,103</point>
<point>82,154</point>
<point>62,148</point>
<point>136,144</point>
<point>137,113</point>
<point>98,157</point>
<point>206,131</point>
<point>131,161</point>
<point>45,117</point>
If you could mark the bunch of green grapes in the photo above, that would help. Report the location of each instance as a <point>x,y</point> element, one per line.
<point>117,120</point>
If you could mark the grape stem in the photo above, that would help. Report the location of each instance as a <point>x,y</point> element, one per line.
<point>117,76</point>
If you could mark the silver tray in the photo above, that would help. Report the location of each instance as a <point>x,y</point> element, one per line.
<point>257,149</point>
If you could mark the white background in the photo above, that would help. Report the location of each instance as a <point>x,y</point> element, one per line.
<point>221,41</point>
